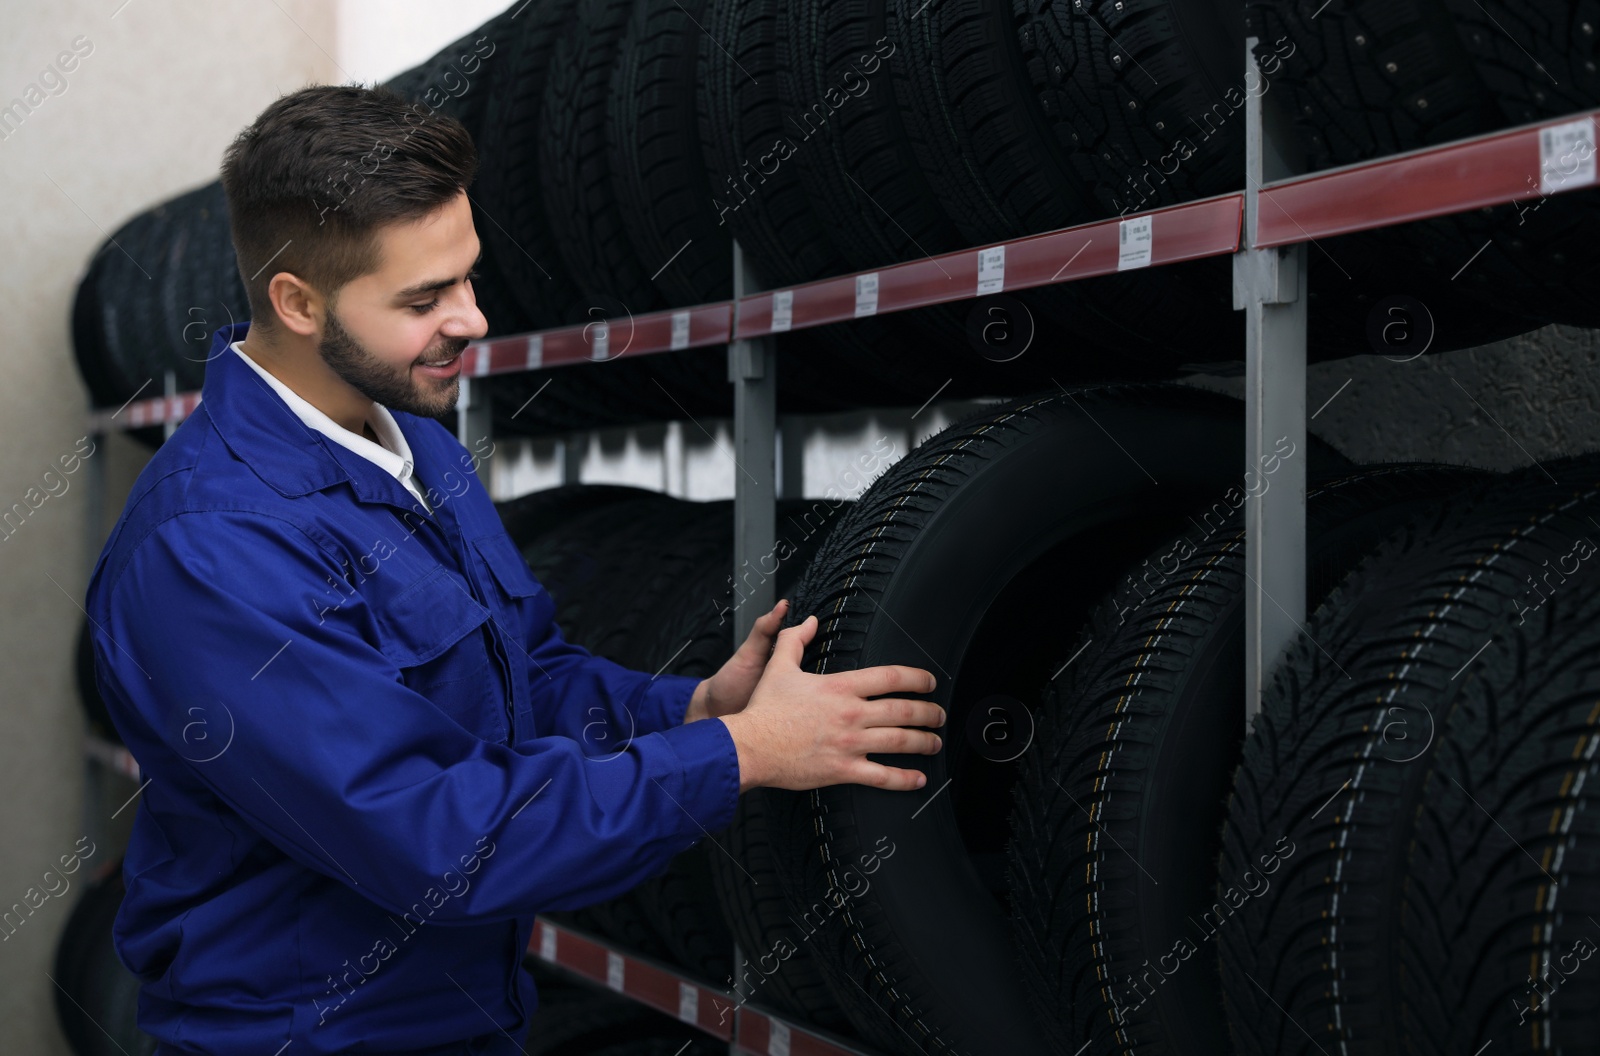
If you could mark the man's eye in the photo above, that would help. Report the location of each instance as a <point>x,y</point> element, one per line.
<point>424,309</point>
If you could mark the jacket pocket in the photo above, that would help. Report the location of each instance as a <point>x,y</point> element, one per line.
<point>434,631</point>
<point>507,566</point>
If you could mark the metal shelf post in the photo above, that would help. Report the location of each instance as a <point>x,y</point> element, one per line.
<point>1269,285</point>
<point>753,369</point>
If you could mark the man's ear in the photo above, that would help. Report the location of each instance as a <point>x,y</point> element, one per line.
<point>298,305</point>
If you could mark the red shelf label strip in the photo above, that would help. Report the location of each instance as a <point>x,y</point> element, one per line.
<point>1497,169</point>
<point>1181,232</point>
<point>600,341</point>
<point>665,991</point>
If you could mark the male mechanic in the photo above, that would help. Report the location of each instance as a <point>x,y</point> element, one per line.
<point>371,757</point>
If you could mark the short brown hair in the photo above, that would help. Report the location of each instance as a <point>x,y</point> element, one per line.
<point>321,169</point>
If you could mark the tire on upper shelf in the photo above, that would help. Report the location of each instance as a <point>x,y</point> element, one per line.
<point>748,141</point>
<point>1148,97</point>
<point>1330,788</point>
<point>1377,77</point>
<point>587,107</point>
<point>1117,811</point>
<point>979,129</point>
<point>854,161</point>
<point>959,561</point>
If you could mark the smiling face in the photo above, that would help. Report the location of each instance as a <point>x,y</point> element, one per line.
<point>374,340</point>
<point>388,327</point>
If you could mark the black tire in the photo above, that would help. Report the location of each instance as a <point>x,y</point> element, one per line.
<point>576,1017</point>
<point>657,171</point>
<point>1490,953</point>
<point>459,79</point>
<point>977,569</point>
<point>733,876</point>
<point>575,166</point>
<point>1314,953</point>
<point>1137,743</point>
<point>530,516</point>
<point>856,165</point>
<point>612,569</point>
<point>97,998</point>
<point>979,130</point>
<point>516,231</point>
<point>587,80</point>
<point>1374,77</point>
<point>756,905</point>
<point>865,362</point>
<point>1537,60</point>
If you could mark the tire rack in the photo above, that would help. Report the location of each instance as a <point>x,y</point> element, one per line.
<point>1265,228</point>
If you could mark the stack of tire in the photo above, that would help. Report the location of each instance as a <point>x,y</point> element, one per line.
<point>1076,873</point>
<point>624,144</point>
<point>1431,775</point>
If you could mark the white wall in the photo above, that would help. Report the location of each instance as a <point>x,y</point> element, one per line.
<point>158,90</point>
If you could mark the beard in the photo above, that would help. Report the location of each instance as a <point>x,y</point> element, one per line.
<point>395,388</point>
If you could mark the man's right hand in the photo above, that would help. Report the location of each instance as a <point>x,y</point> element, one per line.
<point>803,730</point>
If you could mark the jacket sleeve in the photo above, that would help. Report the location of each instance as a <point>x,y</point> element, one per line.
<point>594,700</point>
<point>350,772</point>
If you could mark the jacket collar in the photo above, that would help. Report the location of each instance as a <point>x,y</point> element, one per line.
<point>266,434</point>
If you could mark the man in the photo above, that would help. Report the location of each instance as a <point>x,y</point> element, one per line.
<point>371,756</point>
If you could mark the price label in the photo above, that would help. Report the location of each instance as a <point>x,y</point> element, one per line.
<point>867,294</point>
<point>547,943</point>
<point>600,339</point>
<point>480,361</point>
<point>535,351</point>
<point>680,330</point>
<point>782,310</point>
<point>688,1003</point>
<point>614,963</point>
<point>778,1039</point>
<point>991,270</point>
<point>1134,243</point>
<point>1566,156</point>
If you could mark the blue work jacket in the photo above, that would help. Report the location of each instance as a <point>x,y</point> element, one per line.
<point>370,757</point>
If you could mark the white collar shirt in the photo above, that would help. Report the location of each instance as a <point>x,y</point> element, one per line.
<point>392,455</point>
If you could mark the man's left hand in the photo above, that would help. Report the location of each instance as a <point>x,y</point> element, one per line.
<point>729,690</point>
